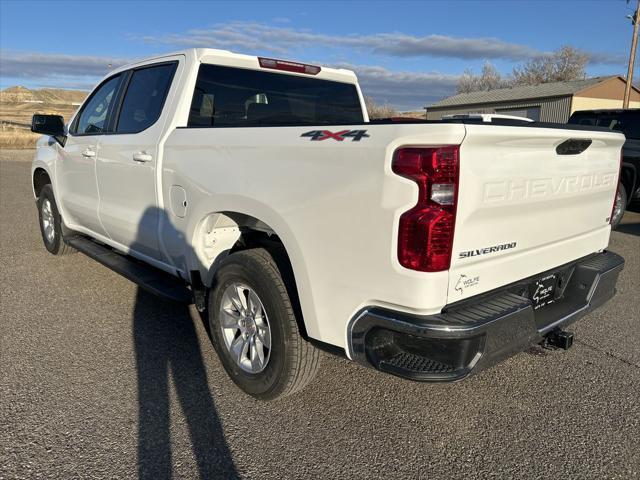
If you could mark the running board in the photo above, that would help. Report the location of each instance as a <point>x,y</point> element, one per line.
<point>149,278</point>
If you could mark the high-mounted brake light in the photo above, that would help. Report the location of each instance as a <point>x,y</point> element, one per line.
<point>288,66</point>
<point>425,236</point>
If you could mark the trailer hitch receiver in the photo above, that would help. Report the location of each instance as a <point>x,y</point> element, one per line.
<point>558,339</point>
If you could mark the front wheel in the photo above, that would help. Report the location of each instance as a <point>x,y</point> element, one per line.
<point>51,223</point>
<point>619,206</point>
<point>254,328</point>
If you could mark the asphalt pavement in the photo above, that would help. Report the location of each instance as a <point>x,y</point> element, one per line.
<point>99,380</point>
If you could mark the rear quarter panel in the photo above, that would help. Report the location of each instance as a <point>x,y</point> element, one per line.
<point>335,205</point>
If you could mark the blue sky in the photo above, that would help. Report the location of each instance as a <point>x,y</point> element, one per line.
<point>407,53</point>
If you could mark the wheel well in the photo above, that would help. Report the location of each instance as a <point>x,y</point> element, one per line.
<point>252,233</point>
<point>40,179</point>
<point>273,244</point>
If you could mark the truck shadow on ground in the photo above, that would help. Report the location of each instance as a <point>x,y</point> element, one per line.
<point>167,348</point>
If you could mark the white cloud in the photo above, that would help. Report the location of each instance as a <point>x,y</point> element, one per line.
<point>15,64</point>
<point>260,37</point>
<point>279,39</point>
<point>403,90</point>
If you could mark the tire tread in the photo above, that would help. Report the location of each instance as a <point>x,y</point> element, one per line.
<point>301,358</point>
<point>62,247</point>
<point>306,356</point>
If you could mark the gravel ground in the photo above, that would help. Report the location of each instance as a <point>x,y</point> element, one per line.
<point>99,380</point>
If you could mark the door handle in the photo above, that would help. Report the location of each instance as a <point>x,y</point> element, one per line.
<point>88,153</point>
<point>142,157</point>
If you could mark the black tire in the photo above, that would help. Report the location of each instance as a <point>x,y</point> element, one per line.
<point>55,244</point>
<point>292,361</point>
<point>619,207</point>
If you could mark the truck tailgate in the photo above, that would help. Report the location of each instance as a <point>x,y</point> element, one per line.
<point>523,208</point>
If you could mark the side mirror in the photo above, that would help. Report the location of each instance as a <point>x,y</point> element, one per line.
<point>52,125</point>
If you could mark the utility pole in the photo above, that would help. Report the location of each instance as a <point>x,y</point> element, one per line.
<point>632,56</point>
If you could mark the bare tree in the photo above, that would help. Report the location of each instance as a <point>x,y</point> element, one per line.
<point>489,79</point>
<point>379,111</point>
<point>468,82</point>
<point>568,63</point>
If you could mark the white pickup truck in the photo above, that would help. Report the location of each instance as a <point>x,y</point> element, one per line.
<point>259,190</point>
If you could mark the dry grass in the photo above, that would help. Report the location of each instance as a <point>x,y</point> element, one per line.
<point>16,112</point>
<point>416,115</point>
<point>12,137</point>
<point>20,113</point>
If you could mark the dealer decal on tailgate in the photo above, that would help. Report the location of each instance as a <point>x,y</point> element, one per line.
<point>318,135</point>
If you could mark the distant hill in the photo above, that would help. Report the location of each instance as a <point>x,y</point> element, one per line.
<point>418,115</point>
<point>18,104</point>
<point>20,94</point>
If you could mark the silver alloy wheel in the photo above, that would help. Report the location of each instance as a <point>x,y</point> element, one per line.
<point>618,208</point>
<point>48,221</point>
<point>245,328</point>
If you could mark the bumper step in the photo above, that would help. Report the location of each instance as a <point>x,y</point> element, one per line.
<point>409,362</point>
<point>151,279</point>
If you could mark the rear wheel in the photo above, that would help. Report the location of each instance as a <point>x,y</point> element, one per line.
<point>51,223</point>
<point>619,206</point>
<point>254,328</point>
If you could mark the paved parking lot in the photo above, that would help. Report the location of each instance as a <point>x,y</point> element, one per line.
<point>99,380</point>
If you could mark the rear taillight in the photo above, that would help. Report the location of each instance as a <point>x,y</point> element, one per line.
<point>425,237</point>
<point>287,66</point>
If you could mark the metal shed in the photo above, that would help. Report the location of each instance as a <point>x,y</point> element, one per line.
<point>547,102</point>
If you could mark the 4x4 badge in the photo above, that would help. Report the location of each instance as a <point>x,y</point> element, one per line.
<point>319,135</point>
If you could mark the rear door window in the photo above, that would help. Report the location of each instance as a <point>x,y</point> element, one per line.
<point>145,97</point>
<point>236,97</point>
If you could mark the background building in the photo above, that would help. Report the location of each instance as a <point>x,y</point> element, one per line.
<point>547,102</point>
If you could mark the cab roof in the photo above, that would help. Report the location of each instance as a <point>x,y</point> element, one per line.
<point>227,58</point>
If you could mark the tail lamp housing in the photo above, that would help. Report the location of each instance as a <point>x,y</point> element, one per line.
<point>425,234</point>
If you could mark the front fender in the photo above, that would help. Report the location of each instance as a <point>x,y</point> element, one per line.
<point>45,158</point>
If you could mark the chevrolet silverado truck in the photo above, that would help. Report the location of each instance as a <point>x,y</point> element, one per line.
<point>259,190</point>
